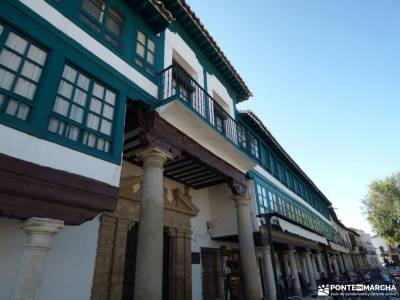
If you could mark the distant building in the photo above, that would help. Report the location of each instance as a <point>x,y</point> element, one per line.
<point>367,249</point>
<point>384,251</point>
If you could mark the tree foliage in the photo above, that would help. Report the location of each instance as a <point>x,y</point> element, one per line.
<point>382,207</point>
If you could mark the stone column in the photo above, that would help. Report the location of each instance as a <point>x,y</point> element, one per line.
<point>340,262</point>
<point>310,269</point>
<point>30,272</point>
<point>304,269</point>
<point>320,265</point>
<point>345,267</point>
<point>293,270</point>
<point>286,265</point>
<point>251,281</point>
<point>149,265</point>
<point>315,267</point>
<point>350,262</point>
<point>269,280</point>
<point>277,266</point>
<point>335,265</point>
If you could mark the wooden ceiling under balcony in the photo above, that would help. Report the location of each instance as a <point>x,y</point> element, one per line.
<point>191,165</point>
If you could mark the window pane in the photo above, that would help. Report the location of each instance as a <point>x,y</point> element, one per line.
<point>105,127</point>
<point>61,106</point>
<point>1,29</point>
<point>12,107</point>
<point>23,111</point>
<point>93,121</point>
<point>31,71</point>
<point>53,125</point>
<point>76,113</point>
<point>141,38</point>
<point>98,91</point>
<point>110,97</point>
<point>83,82</point>
<point>10,59</point>
<point>25,88</point>
<point>150,58</point>
<point>151,46</point>
<point>6,79</point>
<point>107,146</point>
<point>95,105</point>
<point>140,50</point>
<point>65,89</point>
<point>108,111</point>
<point>73,133</point>
<point>100,144</point>
<point>115,22</point>
<point>80,97</point>
<point>89,139</point>
<point>2,97</point>
<point>37,55</point>
<point>69,73</point>
<point>95,8</point>
<point>16,43</point>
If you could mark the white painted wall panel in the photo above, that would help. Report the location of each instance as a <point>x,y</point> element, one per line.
<point>26,147</point>
<point>69,268</point>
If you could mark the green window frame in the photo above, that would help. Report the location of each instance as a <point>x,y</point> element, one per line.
<point>262,199</point>
<point>270,199</point>
<point>145,56</point>
<point>84,111</point>
<point>21,66</point>
<point>267,159</point>
<point>103,19</point>
<point>254,148</point>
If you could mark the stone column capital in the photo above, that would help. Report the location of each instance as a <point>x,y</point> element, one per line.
<point>40,230</point>
<point>267,249</point>
<point>291,251</point>
<point>31,267</point>
<point>154,156</point>
<point>241,199</point>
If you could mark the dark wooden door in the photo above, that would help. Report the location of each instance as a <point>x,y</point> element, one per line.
<point>211,274</point>
<point>130,264</point>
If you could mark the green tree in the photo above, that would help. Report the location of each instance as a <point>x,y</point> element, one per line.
<point>382,207</point>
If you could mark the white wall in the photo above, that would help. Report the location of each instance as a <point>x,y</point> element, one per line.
<point>176,48</point>
<point>223,221</point>
<point>202,236</point>
<point>44,153</point>
<point>69,268</point>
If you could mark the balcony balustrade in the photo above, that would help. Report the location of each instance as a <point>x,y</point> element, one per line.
<point>177,84</point>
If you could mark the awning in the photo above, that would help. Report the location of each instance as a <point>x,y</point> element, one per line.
<point>337,247</point>
<point>297,230</point>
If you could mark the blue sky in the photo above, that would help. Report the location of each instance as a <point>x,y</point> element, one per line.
<point>326,81</point>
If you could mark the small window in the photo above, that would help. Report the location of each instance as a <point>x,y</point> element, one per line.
<point>83,110</point>
<point>21,66</point>
<point>262,198</point>
<point>267,163</point>
<point>254,148</point>
<point>145,52</point>
<point>105,19</point>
